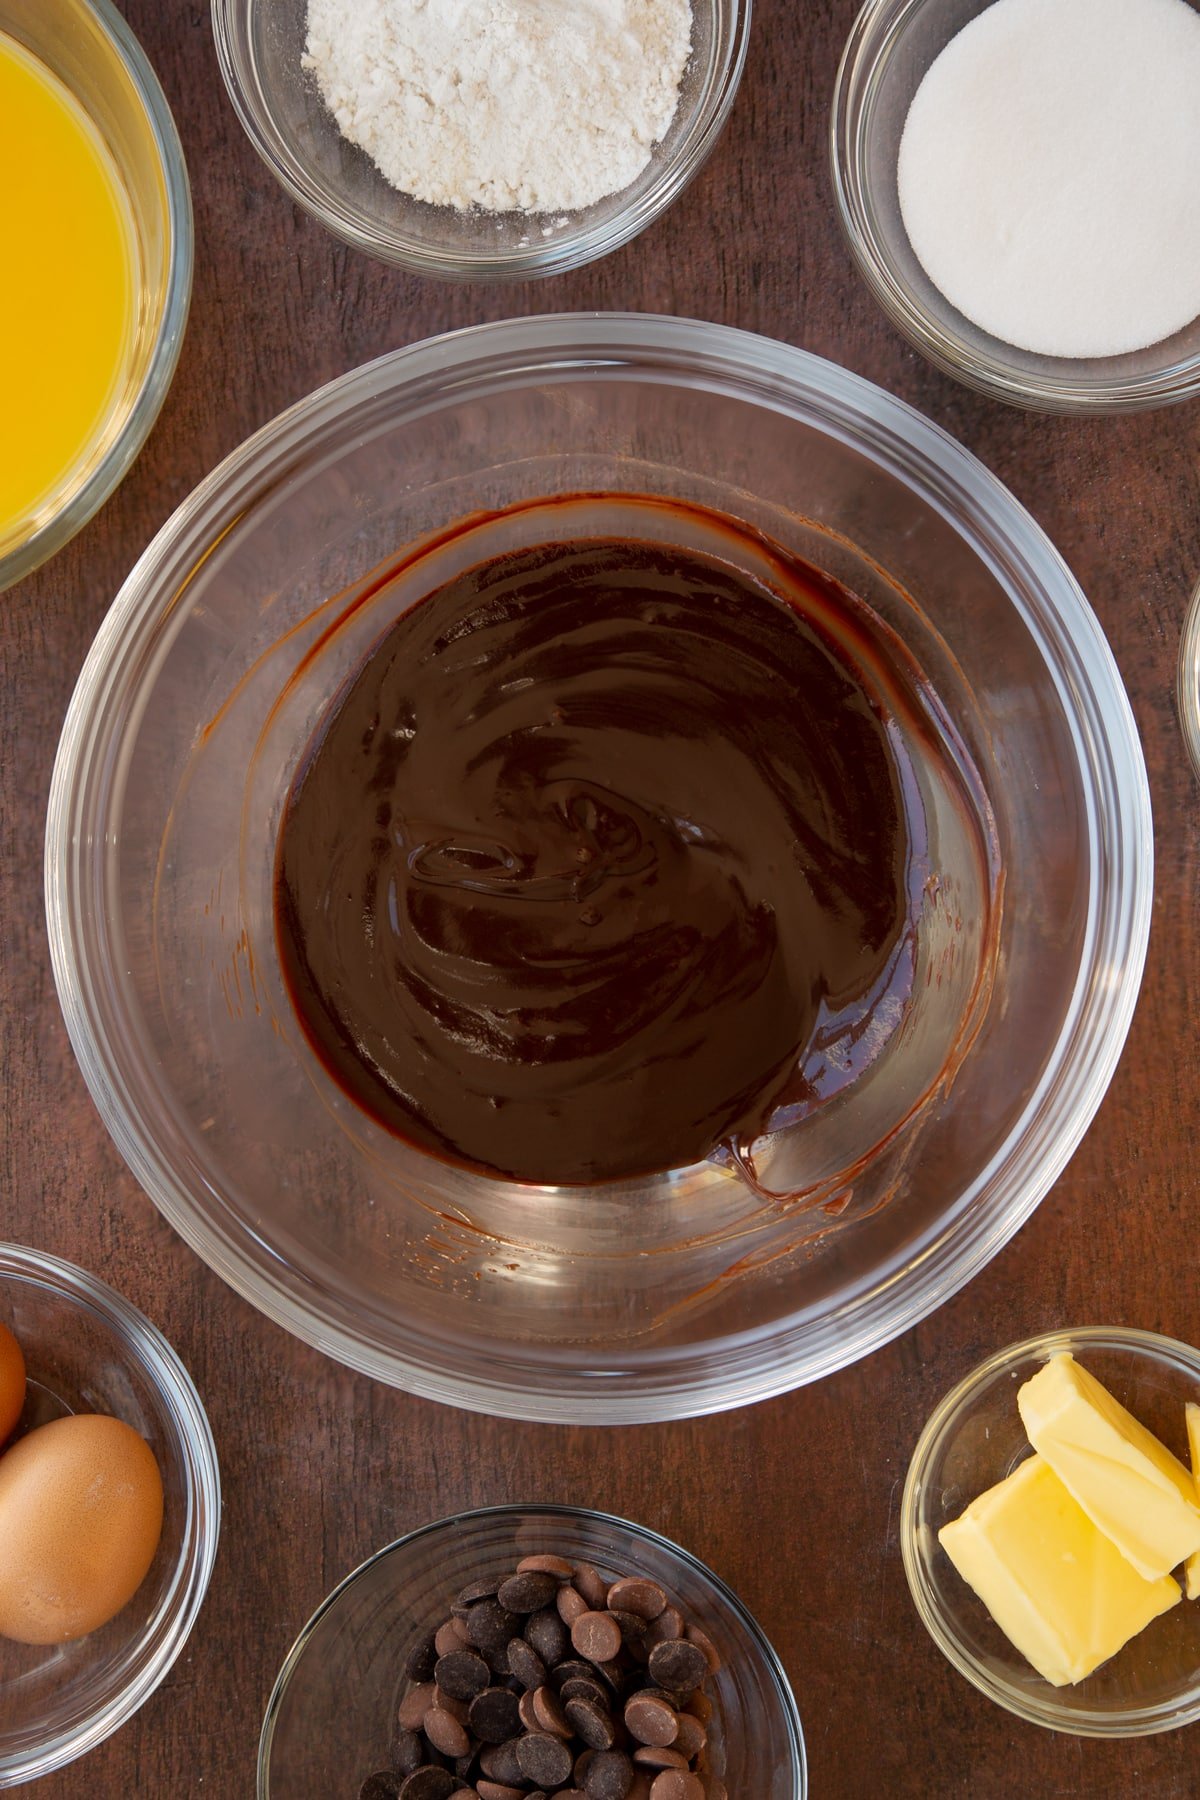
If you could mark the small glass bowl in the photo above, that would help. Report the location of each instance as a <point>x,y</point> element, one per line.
<point>90,48</point>
<point>1188,695</point>
<point>260,46</point>
<point>332,1714</point>
<point>891,45</point>
<point>975,1439</point>
<point>87,1350</point>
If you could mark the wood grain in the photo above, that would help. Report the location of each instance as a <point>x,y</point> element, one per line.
<point>795,1502</point>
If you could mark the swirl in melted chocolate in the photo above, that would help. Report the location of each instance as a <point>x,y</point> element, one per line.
<point>594,845</point>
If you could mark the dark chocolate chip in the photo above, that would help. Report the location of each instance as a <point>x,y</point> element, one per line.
<point>597,1635</point>
<point>499,1762</point>
<point>636,1595</point>
<point>572,1669</point>
<point>634,1633</point>
<point>382,1786</point>
<point>490,1625</point>
<point>691,1736</point>
<point>525,1663</point>
<point>446,1733</point>
<point>418,1664</point>
<point>592,1585</point>
<point>547,1710</point>
<point>703,1642</point>
<point>613,1674</point>
<point>408,1751</point>
<point>544,1759</point>
<point>415,1704</point>
<point>451,1704</point>
<point>497,1662</point>
<point>461,1674</point>
<point>669,1624</point>
<point>651,1719</point>
<point>558,1566</point>
<point>609,1776</point>
<point>483,1589</point>
<point>570,1604</point>
<point>582,1687</point>
<point>546,1633</point>
<point>648,1756</point>
<point>528,1593</point>
<point>678,1665</point>
<point>494,1715</point>
<point>677,1784</point>
<point>428,1783</point>
<point>592,1723</point>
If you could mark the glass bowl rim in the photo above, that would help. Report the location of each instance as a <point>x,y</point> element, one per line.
<point>113,467</point>
<point>1188,682</point>
<point>515,1510</point>
<point>942,474</point>
<point>1097,1723</point>
<point>870,41</point>
<point>569,249</point>
<point>162,1368</point>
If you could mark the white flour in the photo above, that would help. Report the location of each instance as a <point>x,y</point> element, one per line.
<point>512,105</point>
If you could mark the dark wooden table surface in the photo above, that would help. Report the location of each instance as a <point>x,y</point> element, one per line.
<point>794,1502</point>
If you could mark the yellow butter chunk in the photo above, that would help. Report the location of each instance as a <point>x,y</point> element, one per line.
<point>1128,1484</point>
<point>1062,1594</point>
<point>1192,1568</point>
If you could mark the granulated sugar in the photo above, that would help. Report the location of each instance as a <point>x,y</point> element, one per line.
<point>1049,173</point>
<point>511,105</point>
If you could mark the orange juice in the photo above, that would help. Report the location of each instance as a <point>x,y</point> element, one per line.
<point>67,292</point>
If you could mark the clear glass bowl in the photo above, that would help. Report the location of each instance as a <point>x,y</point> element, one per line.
<point>975,1439</point>
<point>891,45</point>
<point>91,49</point>
<point>681,1293</point>
<point>332,1715</point>
<point>260,44</point>
<point>87,1350</point>
<point>1188,691</point>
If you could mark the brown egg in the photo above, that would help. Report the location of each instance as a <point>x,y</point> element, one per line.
<point>12,1381</point>
<point>81,1505</point>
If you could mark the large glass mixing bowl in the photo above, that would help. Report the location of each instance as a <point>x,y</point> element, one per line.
<point>681,1293</point>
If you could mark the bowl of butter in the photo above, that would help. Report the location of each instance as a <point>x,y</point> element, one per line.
<point>1051,1531</point>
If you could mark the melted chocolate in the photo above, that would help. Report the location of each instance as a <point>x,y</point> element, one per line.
<point>590,851</point>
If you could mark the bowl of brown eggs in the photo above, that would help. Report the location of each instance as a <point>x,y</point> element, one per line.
<point>109,1511</point>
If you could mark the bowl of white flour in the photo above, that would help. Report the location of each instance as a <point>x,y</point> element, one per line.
<point>483,138</point>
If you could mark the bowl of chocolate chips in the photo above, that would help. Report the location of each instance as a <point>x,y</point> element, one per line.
<point>599,868</point>
<point>523,1651</point>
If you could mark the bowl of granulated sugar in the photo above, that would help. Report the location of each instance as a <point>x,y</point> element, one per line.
<point>1017,182</point>
<point>483,139</point>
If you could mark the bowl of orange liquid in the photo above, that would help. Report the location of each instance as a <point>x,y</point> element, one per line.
<point>96,246</point>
